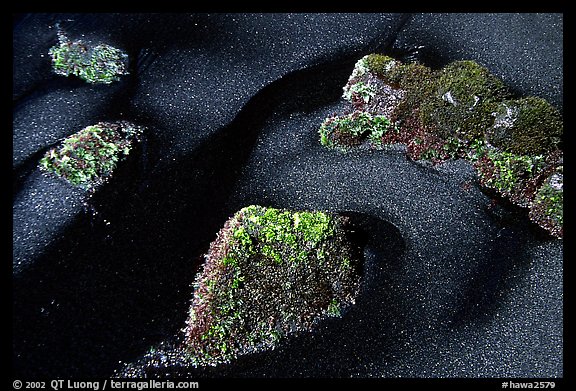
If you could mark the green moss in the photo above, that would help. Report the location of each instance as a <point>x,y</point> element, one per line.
<point>453,147</point>
<point>506,172</point>
<point>430,154</point>
<point>263,279</point>
<point>313,226</point>
<point>464,97</point>
<point>529,126</point>
<point>95,64</point>
<point>334,309</point>
<point>353,129</point>
<point>459,111</point>
<point>361,90</point>
<point>88,157</point>
<point>269,251</point>
<point>242,236</point>
<point>418,81</point>
<point>380,65</point>
<point>553,201</point>
<point>547,209</point>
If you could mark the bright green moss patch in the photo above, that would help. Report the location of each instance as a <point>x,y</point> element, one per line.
<point>95,64</point>
<point>547,209</point>
<point>353,129</point>
<point>507,173</point>
<point>87,158</point>
<point>270,272</point>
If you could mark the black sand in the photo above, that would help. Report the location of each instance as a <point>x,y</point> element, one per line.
<point>454,285</point>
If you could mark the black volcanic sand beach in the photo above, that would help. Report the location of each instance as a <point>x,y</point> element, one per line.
<point>454,284</point>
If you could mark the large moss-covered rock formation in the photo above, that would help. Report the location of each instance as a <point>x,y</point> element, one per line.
<point>269,273</point>
<point>459,111</point>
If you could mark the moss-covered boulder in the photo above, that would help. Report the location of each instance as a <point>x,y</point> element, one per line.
<point>95,64</point>
<point>88,158</point>
<point>459,111</point>
<point>269,273</point>
<point>529,126</point>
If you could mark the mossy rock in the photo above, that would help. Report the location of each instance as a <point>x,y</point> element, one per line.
<point>464,97</point>
<point>528,126</point>
<point>270,272</point>
<point>88,158</point>
<point>459,111</point>
<point>95,64</point>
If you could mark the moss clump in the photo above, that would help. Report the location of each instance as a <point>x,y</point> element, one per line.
<point>270,272</point>
<point>87,158</point>
<point>547,209</point>
<point>418,81</point>
<point>381,65</point>
<point>464,96</point>
<point>509,174</point>
<point>95,64</point>
<point>526,126</point>
<point>353,129</point>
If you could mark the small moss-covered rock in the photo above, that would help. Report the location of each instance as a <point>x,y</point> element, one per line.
<point>465,96</point>
<point>528,126</point>
<point>270,272</point>
<point>547,209</point>
<point>93,63</point>
<point>353,129</point>
<point>87,158</point>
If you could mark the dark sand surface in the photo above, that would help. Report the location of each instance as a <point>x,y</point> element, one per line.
<point>454,285</point>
